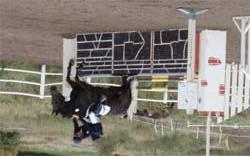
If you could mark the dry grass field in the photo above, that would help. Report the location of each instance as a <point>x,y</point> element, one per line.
<point>32,30</point>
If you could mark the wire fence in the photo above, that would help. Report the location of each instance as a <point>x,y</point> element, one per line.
<point>236,130</point>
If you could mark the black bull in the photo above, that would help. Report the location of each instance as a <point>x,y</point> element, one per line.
<point>83,95</point>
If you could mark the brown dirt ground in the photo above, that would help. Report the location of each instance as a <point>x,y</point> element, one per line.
<point>32,30</point>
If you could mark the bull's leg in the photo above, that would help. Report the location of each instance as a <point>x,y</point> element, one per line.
<point>83,84</point>
<point>125,82</point>
<point>68,79</point>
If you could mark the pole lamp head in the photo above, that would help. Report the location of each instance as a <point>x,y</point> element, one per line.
<point>191,12</point>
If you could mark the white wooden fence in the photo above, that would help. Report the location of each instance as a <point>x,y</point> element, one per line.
<point>164,90</point>
<point>42,83</point>
<point>237,85</point>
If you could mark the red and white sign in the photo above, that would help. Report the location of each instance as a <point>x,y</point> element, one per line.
<point>212,71</point>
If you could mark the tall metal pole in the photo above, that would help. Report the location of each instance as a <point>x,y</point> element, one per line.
<point>243,44</point>
<point>244,28</point>
<point>248,58</point>
<point>191,48</point>
<point>192,13</point>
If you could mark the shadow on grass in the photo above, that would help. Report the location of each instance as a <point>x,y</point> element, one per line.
<point>33,154</point>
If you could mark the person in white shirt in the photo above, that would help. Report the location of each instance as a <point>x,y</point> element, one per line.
<point>90,125</point>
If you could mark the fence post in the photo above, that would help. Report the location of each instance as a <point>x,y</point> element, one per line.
<point>171,125</point>
<point>197,132</point>
<point>220,136</point>
<point>42,81</point>
<point>247,86</point>
<point>240,88</point>
<point>134,95</point>
<point>234,90</point>
<point>228,91</point>
<point>165,96</point>
<point>208,134</point>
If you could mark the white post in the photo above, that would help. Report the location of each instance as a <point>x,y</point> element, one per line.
<point>248,47</point>
<point>247,87</point>
<point>243,43</point>
<point>197,132</point>
<point>69,52</point>
<point>191,53</point>
<point>227,91</point>
<point>165,96</point>
<point>192,13</point>
<point>134,95</point>
<point>42,81</point>
<point>220,137</point>
<point>191,48</point>
<point>244,28</point>
<point>171,125</point>
<point>162,129</point>
<point>208,134</point>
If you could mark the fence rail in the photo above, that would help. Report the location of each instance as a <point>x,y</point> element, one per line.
<point>42,83</point>
<point>198,128</point>
<point>237,89</point>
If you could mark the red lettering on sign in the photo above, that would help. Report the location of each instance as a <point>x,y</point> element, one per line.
<point>214,61</point>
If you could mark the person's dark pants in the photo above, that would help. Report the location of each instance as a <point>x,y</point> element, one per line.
<point>96,131</point>
<point>93,130</point>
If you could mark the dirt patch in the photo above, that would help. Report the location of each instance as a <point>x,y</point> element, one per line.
<point>32,31</point>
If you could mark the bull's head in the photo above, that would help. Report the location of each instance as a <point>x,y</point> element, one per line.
<point>59,106</point>
<point>57,100</point>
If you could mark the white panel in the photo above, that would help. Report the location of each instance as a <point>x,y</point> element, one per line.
<point>234,90</point>
<point>227,91</point>
<point>240,89</point>
<point>212,69</point>
<point>248,48</point>
<point>69,52</point>
<point>187,95</point>
<point>247,87</point>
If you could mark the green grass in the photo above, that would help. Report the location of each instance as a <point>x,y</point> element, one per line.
<point>52,136</point>
<point>242,118</point>
<point>45,133</point>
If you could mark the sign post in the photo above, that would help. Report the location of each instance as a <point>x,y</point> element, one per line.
<point>208,134</point>
<point>192,13</point>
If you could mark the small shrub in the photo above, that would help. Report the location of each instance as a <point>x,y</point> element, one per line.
<point>9,138</point>
<point>9,142</point>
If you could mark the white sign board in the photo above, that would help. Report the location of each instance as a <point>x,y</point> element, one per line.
<point>187,95</point>
<point>212,71</point>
